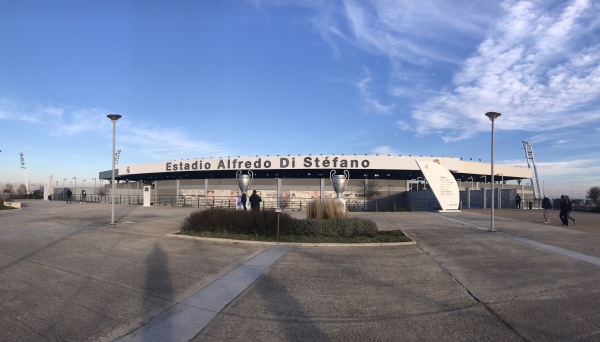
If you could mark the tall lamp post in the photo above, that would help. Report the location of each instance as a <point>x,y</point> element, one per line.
<point>492,116</point>
<point>113,118</point>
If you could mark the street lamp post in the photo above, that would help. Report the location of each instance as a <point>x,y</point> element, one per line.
<point>95,187</point>
<point>64,182</point>
<point>543,188</point>
<point>113,118</point>
<point>492,116</point>
<point>75,188</point>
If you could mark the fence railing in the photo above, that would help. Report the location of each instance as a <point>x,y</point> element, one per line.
<point>383,204</point>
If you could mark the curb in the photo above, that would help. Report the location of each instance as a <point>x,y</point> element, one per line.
<point>303,244</point>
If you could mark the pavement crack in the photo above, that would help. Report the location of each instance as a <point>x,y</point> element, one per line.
<point>473,295</point>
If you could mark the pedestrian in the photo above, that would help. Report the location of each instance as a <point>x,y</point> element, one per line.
<point>518,200</point>
<point>569,217</point>
<point>255,201</point>
<point>244,200</point>
<point>83,195</point>
<point>546,205</point>
<point>69,194</point>
<point>564,210</point>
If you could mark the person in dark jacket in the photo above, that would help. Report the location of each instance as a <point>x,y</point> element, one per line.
<point>564,210</point>
<point>546,205</point>
<point>569,217</point>
<point>69,194</point>
<point>244,200</point>
<point>518,201</point>
<point>255,201</point>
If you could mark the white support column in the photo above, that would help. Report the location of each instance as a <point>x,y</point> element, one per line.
<point>278,180</point>
<point>205,192</point>
<point>322,188</point>
<point>469,198</point>
<point>177,184</point>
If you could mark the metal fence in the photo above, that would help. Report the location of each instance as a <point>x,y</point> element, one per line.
<point>376,205</point>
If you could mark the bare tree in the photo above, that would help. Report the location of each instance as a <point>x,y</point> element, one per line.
<point>22,190</point>
<point>101,192</point>
<point>285,200</point>
<point>8,188</point>
<point>369,191</point>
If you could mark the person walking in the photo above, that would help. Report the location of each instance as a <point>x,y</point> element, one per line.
<point>518,200</point>
<point>546,205</point>
<point>255,201</point>
<point>69,194</point>
<point>564,210</point>
<point>569,217</point>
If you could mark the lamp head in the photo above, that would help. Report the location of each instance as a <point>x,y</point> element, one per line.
<point>114,117</point>
<point>492,115</point>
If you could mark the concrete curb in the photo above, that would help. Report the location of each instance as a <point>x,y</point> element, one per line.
<point>303,244</point>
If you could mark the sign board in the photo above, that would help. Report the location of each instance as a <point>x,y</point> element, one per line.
<point>147,195</point>
<point>442,183</point>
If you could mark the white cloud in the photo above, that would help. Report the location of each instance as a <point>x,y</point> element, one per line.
<point>11,110</point>
<point>414,32</point>
<point>371,104</point>
<point>158,143</point>
<point>403,125</point>
<point>174,144</point>
<point>538,67</point>
<point>384,150</point>
<point>537,62</point>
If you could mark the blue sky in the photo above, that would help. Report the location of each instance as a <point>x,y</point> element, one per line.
<point>197,79</point>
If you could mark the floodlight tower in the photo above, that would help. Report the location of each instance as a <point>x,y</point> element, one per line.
<point>535,183</point>
<point>24,172</point>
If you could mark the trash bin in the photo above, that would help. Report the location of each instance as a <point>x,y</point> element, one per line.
<point>530,205</point>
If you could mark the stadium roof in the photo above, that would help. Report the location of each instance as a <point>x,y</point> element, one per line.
<point>312,166</point>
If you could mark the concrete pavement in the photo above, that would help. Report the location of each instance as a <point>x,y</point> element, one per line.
<point>67,275</point>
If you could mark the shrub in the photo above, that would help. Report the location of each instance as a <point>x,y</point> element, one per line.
<point>331,209</point>
<point>264,222</point>
<point>314,209</point>
<point>344,227</point>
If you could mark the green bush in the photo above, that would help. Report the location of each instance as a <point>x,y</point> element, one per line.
<point>350,227</point>
<point>264,222</point>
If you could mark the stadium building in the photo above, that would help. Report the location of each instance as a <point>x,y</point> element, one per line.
<point>376,182</point>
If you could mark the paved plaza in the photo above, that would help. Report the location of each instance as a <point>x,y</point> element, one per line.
<point>67,275</point>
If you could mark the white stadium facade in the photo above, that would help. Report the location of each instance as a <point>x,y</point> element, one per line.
<point>400,182</point>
